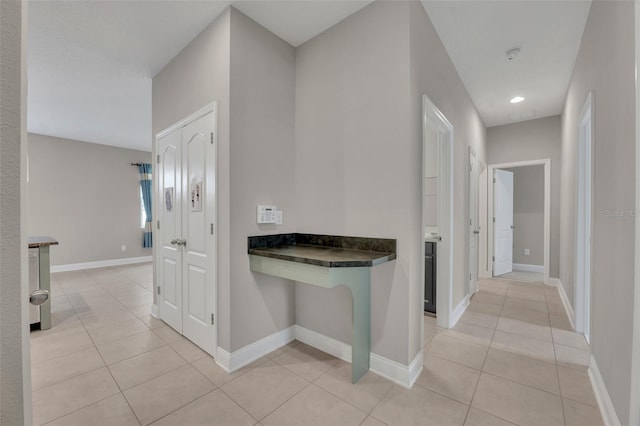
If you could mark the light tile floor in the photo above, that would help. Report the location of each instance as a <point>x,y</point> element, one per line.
<point>536,277</point>
<point>511,359</point>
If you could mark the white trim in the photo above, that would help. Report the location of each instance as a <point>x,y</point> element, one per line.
<point>459,310</point>
<point>223,359</point>
<point>583,226</point>
<point>555,282</point>
<point>605,404</point>
<point>394,371</point>
<point>399,374</point>
<point>546,162</point>
<point>190,118</point>
<point>444,268</point>
<point>324,343</point>
<point>403,375</point>
<point>523,267</point>
<point>253,351</point>
<point>100,264</point>
<point>154,311</point>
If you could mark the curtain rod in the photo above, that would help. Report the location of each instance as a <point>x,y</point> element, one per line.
<point>136,164</point>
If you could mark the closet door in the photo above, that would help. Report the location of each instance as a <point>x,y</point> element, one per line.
<point>198,214</point>
<point>169,257</point>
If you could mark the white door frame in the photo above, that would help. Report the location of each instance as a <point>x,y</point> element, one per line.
<point>546,162</point>
<point>157,205</point>
<point>584,224</point>
<point>431,115</point>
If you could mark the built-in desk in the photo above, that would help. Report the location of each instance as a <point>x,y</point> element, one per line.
<point>328,261</point>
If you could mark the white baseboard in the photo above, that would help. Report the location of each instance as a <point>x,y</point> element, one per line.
<point>99,264</point>
<point>324,343</point>
<point>400,374</point>
<point>223,359</point>
<point>246,355</point>
<point>528,268</point>
<point>396,372</point>
<point>602,395</point>
<point>555,282</point>
<point>154,310</point>
<point>458,311</point>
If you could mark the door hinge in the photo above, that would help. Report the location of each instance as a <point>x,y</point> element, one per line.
<point>469,277</point>
<point>494,180</point>
<point>158,158</point>
<point>493,258</point>
<point>494,220</point>
<point>213,319</point>
<point>158,289</point>
<point>211,138</point>
<point>157,224</point>
<point>212,229</point>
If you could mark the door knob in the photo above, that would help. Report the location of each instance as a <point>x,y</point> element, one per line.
<point>181,242</point>
<point>174,242</point>
<point>38,297</point>
<point>476,232</point>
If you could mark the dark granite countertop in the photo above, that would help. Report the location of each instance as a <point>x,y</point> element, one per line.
<point>35,242</point>
<point>324,250</point>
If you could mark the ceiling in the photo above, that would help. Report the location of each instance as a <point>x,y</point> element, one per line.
<point>477,35</point>
<point>90,62</point>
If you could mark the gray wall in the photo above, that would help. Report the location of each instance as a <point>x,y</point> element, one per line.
<point>528,214</point>
<point>432,73</point>
<point>262,172</point>
<point>533,140</point>
<point>605,65</point>
<point>87,196</point>
<point>197,76</point>
<point>359,89</point>
<point>250,73</point>
<point>15,381</point>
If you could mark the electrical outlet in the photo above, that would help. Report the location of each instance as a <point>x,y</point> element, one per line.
<point>527,252</point>
<point>123,248</point>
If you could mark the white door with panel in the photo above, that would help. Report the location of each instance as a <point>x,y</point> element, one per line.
<point>503,227</point>
<point>474,228</point>
<point>187,250</point>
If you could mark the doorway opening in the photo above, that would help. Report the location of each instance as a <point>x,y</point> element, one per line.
<point>519,216</point>
<point>583,222</point>
<point>437,209</point>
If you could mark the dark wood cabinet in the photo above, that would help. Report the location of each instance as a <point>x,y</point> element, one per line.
<point>430,277</point>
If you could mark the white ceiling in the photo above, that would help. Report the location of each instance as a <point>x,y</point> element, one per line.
<point>91,62</point>
<point>477,35</point>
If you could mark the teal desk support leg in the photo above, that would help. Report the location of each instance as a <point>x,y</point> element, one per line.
<point>357,279</point>
<point>45,284</point>
<point>359,282</point>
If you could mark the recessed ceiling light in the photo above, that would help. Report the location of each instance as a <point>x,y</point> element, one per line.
<point>517,99</point>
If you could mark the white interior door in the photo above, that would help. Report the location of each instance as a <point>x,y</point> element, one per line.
<point>186,256</point>
<point>474,228</point>
<point>169,256</point>
<point>198,249</point>
<point>503,228</point>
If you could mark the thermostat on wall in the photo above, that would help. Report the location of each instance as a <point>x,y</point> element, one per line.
<point>266,214</point>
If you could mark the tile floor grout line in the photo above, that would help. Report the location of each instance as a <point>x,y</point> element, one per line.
<point>555,356</point>
<point>79,409</point>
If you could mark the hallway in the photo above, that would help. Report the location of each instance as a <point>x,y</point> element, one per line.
<point>510,360</point>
